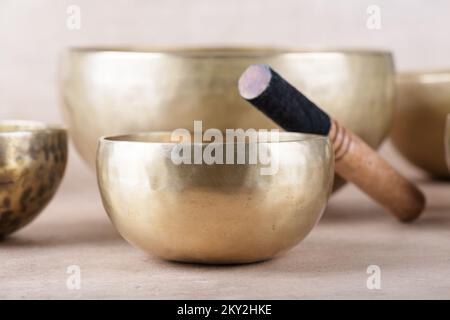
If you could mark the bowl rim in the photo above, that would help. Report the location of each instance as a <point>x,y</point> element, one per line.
<point>226,51</point>
<point>424,76</point>
<point>26,127</point>
<point>131,138</point>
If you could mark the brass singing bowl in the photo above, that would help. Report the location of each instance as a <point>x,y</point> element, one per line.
<point>33,158</point>
<point>216,213</point>
<point>117,91</point>
<point>422,105</point>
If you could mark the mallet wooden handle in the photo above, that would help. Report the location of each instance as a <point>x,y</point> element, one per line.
<point>355,161</point>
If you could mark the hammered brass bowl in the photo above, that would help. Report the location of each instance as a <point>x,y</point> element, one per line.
<point>423,102</point>
<point>216,213</point>
<point>33,157</point>
<point>117,91</point>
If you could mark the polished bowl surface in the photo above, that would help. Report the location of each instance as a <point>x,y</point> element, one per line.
<point>33,157</point>
<point>447,142</point>
<point>117,91</point>
<point>422,105</point>
<point>217,213</point>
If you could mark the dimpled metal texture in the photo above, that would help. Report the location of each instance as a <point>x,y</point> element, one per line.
<point>116,91</point>
<point>214,213</point>
<point>33,158</point>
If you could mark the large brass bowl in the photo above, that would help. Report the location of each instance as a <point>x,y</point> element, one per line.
<point>423,102</point>
<point>111,91</point>
<point>217,213</point>
<point>33,157</point>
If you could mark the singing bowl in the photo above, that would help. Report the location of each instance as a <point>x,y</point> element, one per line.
<point>117,91</point>
<point>422,105</point>
<point>213,213</point>
<point>33,158</point>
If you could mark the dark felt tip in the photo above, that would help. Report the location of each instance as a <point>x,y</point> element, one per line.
<point>284,104</point>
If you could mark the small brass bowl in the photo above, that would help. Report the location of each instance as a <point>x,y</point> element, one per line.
<point>116,91</point>
<point>217,213</point>
<point>423,102</point>
<point>33,157</point>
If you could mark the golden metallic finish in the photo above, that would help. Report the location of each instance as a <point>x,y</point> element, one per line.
<point>108,92</point>
<point>423,103</point>
<point>33,157</point>
<point>219,213</point>
<point>447,142</point>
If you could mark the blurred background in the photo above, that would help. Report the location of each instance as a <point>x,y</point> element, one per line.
<point>33,34</point>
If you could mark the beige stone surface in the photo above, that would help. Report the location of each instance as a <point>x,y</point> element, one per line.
<point>331,263</point>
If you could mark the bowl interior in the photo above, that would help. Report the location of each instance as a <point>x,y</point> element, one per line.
<point>224,52</point>
<point>166,137</point>
<point>424,77</point>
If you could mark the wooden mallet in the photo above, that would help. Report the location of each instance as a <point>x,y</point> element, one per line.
<point>355,161</point>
